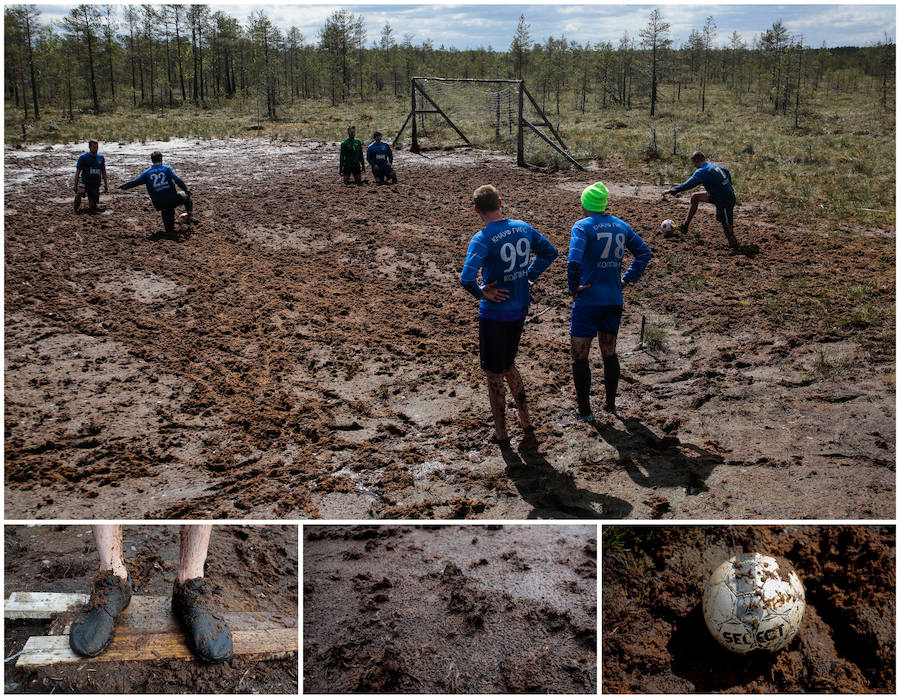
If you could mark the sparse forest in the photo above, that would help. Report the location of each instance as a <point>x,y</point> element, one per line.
<point>102,57</point>
<point>119,69</point>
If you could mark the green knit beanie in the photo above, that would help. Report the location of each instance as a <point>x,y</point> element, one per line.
<point>593,197</point>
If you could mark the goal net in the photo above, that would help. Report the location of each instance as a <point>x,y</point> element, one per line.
<point>495,114</point>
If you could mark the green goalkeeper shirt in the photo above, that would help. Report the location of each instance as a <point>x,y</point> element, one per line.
<point>351,152</point>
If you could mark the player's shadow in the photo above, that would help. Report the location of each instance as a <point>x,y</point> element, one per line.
<point>178,236</point>
<point>653,461</point>
<point>698,658</point>
<point>553,494</point>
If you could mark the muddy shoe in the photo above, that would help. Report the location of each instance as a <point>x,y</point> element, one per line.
<point>93,629</point>
<point>207,634</point>
<point>588,418</point>
<point>529,440</point>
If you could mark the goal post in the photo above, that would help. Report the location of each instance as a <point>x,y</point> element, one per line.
<point>477,111</point>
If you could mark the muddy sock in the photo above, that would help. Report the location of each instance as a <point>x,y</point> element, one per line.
<point>611,379</point>
<point>581,373</point>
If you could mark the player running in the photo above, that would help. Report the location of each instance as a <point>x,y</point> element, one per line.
<point>381,159</point>
<point>502,250</point>
<point>596,249</point>
<point>160,181</point>
<point>89,170</point>
<point>716,180</point>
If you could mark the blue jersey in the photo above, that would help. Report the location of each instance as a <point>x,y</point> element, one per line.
<point>91,167</point>
<point>502,250</point>
<point>160,180</point>
<point>715,179</point>
<point>379,154</point>
<point>596,249</point>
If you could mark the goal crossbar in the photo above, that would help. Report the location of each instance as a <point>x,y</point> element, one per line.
<point>422,103</point>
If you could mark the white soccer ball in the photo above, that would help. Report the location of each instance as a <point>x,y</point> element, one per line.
<point>667,226</point>
<point>753,601</point>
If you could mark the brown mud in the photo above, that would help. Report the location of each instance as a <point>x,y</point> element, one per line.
<point>450,609</point>
<point>306,351</point>
<point>655,639</point>
<point>248,568</point>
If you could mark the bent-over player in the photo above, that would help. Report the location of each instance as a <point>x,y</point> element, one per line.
<point>716,180</point>
<point>89,170</point>
<point>596,248</point>
<point>160,181</point>
<point>503,251</point>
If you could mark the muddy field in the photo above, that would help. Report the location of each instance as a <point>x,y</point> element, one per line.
<point>450,609</point>
<point>655,639</point>
<point>253,569</point>
<point>306,351</point>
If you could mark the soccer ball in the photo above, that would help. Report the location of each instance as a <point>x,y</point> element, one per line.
<point>667,226</point>
<point>753,601</point>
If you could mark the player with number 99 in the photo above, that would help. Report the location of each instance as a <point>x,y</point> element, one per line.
<point>502,252</point>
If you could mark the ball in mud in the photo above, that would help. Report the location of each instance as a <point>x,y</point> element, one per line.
<point>754,602</point>
<point>667,226</point>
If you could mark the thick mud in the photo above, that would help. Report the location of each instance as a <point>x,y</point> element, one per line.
<point>655,639</point>
<point>250,569</point>
<point>450,609</point>
<point>306,351</point>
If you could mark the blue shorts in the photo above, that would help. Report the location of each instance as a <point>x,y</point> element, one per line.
<point>386,171</point>
<point>498,343</point>
<point>725,212</point>
<point>587,321</point>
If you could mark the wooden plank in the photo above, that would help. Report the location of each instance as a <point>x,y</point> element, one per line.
<point>44,651</point>
<point>41,606</point>
<point>143,614</point>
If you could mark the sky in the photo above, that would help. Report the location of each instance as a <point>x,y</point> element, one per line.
<point>471,25</point>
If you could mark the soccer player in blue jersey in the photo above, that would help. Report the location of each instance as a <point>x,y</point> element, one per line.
<point>161,181</point>
<point>381,159</point>
<point>596,250</point>
<point>89,171</point>
<point>716,180</point>
<point>503,251</point>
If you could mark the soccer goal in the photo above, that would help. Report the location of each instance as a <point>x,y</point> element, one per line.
<point>491,113</point>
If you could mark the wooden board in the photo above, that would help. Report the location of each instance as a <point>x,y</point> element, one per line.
<point>146,630</point>
<point>143,614</point>
<point>41,606</point>
<point>267,644</point>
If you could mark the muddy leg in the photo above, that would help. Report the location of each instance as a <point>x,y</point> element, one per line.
<point>611,371</point>
<point>581,373</point>
<point>695,202</point>
<point>194,545</point>
<point>514,379</point>
<point>729,234</point>
<point>108,539</point>
<point>497,396</point>
<point>168,218</point>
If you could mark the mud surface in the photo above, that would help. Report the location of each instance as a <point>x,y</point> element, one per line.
<point>306,351</point>
<point>450,609</point>
<point>655,639</point>
<point>249,568</point>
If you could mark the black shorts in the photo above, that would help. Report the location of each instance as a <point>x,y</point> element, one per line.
<point>725,212</point>
<point>498,343</point>
<point>92,191</point>
<point>353,169</point>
